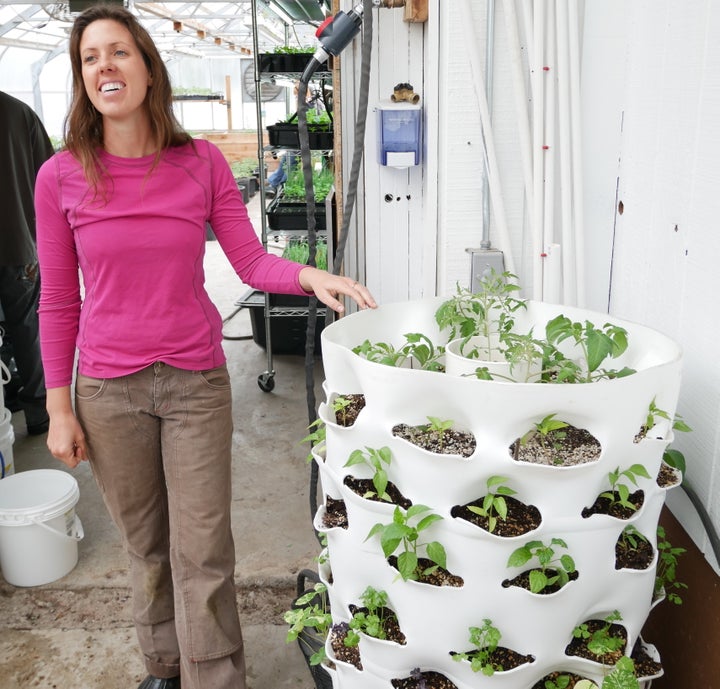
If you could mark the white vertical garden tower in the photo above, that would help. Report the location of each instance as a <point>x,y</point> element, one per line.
<point>436,619</point>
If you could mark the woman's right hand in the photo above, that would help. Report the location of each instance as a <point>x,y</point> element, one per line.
<point>66,440</point>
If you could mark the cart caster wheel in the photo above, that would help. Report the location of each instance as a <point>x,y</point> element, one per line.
<point>266,381</point>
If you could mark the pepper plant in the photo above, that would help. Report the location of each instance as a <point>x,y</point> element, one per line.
<point>494,505</point>
<point>403,533</point>
<point>553,568</point>
<point>374,459</point>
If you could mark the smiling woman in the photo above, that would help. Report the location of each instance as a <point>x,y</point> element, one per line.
<point>126,205</point>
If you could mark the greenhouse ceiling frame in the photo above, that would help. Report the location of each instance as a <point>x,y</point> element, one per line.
<point>199,29</point>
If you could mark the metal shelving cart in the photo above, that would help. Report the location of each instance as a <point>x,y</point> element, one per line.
<point>283,313</point>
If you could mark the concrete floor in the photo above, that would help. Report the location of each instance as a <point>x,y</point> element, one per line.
<point>77,631</point>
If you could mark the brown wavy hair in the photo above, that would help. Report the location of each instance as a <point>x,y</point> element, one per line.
<point>83,123</point>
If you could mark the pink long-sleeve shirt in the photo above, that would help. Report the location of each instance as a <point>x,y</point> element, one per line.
<point>140,252</point>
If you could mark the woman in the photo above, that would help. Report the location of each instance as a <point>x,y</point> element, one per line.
<point>127,204</point>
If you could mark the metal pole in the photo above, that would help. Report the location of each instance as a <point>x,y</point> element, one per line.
<point>269,373</point>
<point>489,57</point>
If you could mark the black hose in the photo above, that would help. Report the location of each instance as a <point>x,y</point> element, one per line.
<point>359,144</point>
<point>705,519</point>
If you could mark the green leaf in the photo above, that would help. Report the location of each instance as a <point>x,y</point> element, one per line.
<point>639,470</point>
<point>568,563</point>
<point>378,528</point>
<point>675,459</point>
<point>679,425</point>
<point>425,522</point>
<point>538,581</point>
<point>496,481</point>
<point>356,457</point>
<point>380,482</point>
<point>414,510</point>
<point>407,565</point>
<point>436,552</point>
<point>519,557</point>
<point>599,347</point>
<point>385,454</point>
<point>501,508</point>
<point>558,329</point>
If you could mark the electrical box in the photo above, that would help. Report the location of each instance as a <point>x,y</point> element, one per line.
<point>484,262</point>
<point>399,138</point>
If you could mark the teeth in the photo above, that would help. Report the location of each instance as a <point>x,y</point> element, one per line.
<point>112,86</point>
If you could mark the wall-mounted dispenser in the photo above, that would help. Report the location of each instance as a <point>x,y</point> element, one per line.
<point>399,139</point>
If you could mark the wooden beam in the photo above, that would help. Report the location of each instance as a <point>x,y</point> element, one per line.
<point>416,11</point>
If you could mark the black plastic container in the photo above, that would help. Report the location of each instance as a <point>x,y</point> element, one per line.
<point>287,332</point>
<point>292,215</point>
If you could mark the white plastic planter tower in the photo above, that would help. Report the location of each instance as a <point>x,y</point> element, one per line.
<point>435,620</point>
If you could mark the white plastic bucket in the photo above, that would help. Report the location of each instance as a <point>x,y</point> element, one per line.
<point>39,530</point>
<point>7,438</point>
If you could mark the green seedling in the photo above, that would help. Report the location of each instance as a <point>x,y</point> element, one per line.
<point>553,568</point>
<point>561,682</point>
<point>622,675</point>
<point>374,459</point>
<point>402,533</point>
<point>654,413</point>
<point>315,437</point>
<point>549,432</point>
<point>294,186</point>
<point>619,493</point>
<point>299,252</point>
<point>675,459</point>
<point>596,345</point>
<point>666,572</point>
<point>486,640</point>
<point>522,351</point>
<point>417,348</point>
<point>339,407</point>
<point>494,505</point>
<point>372,620</point>
<point>312,611</point>
<point>488,312</point>
<point>601,642</point>
<point>630,538</point>
<point>439,427</point>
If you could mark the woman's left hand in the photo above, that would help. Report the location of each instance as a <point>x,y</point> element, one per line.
<point>327,287</point>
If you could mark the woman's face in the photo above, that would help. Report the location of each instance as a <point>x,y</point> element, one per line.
<point>113,70</point>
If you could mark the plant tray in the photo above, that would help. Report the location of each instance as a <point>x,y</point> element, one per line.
<point>287,332</point>
<point>292,215</point>
<point>286,135</point>
<point>284,62</point>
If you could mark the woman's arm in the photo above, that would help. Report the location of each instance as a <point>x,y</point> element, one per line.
<point>66,441</point>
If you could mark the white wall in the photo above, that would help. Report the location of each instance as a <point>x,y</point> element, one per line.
<point>652,127</point>
<point>650,107</point>
<point>391,246</point>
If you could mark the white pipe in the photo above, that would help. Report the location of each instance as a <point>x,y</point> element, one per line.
<point>521,103</point>
<point>578,224</point>
<point>552,275</point>
<point>493,171</point>
<point>569,292</point>
<point>536,65</point>
<point>549,159</point>
<point>527,12</point>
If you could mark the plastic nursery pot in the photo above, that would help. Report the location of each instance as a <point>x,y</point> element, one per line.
<point>435,620</point>
<point>458,362</point>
